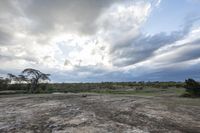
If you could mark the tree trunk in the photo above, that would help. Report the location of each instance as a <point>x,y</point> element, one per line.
<point>34,86</point>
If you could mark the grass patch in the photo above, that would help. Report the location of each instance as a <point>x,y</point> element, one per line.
<point>145,92</point>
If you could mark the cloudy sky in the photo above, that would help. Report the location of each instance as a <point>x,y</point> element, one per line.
<point>101,40</point>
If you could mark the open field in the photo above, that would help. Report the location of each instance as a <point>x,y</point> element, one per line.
<point>98,113</point>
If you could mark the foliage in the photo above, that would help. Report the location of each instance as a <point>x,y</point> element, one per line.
<point>31,80</point>
<point>192,88</point>
<point>34,81</point>
<point>3,83</point>
<point>35,77</point>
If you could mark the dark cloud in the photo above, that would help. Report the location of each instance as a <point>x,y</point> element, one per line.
<point>172,73</point>
<point>185,52</point>
<point>72,15</point>
<point>142,47</point>
<point>175,73</point>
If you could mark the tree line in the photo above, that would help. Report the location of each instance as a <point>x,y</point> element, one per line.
<point>35,81</point>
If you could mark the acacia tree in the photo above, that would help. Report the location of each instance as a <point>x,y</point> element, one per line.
<point>35,77</point>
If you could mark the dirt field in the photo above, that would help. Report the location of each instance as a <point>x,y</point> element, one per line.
<point>95,113</point>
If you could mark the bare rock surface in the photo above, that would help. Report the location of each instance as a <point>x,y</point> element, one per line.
<point>73,113</point>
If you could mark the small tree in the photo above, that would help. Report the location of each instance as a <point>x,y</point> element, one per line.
<point>192,87</point>
<point>4,83</point>
<point>35,77</point>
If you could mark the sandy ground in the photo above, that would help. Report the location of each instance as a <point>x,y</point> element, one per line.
<point>74,113</point>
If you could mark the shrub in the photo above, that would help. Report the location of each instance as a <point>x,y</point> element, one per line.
<point>3,84</point>
<point>192,88</point>
<point>139,88</point>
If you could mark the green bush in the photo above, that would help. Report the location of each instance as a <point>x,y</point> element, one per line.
<point>192,88</point>
<point>3,84</point>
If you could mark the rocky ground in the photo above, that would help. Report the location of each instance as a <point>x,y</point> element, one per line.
<point>97,113</point>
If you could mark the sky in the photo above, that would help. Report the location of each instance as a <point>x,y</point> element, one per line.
<point>101,40</point>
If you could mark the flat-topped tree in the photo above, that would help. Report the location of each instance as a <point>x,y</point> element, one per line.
<point>35,77</point>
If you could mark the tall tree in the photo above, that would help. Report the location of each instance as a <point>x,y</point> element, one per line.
<point>35,77</point>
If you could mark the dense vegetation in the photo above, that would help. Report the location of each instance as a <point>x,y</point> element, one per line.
<point>34,81</point>
<point>104,87</point>
<point>192,88</point>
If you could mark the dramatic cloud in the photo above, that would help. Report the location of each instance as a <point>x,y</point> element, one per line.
<point>94,40</point>
<point>142,47</point>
